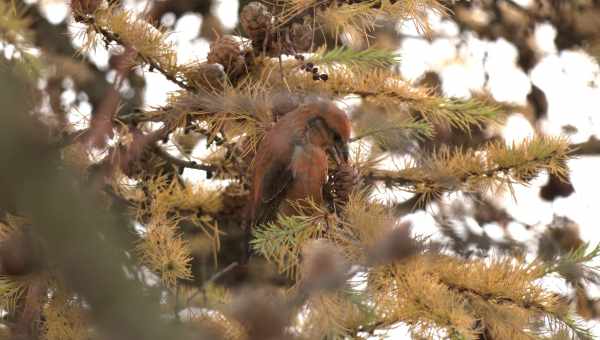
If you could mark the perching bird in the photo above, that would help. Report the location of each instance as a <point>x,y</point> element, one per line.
<point>291,162</point>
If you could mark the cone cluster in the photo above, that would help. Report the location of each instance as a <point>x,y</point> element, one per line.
<point>258,23</point>
<point>344,180</point>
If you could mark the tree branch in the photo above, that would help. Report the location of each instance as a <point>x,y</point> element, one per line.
<point>111,37</point>
<point>589,148</point>
<point>212,280</point>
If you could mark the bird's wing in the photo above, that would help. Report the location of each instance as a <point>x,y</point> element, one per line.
<point>277,179</point>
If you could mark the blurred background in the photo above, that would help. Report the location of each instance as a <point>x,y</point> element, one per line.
<point>538,57</point>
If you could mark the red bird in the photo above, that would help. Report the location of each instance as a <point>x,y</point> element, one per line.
<point>291,161</point>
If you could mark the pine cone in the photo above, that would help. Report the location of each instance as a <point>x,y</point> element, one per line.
<point>256,21</point>
<point>344,179</point>
<point>207,76</point>
<point>227,52</point>
<point>301,36</point>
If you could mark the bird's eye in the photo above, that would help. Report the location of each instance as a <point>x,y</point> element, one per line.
<point>337,137</point>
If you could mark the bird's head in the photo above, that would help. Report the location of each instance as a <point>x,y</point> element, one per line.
<point>329,128</point>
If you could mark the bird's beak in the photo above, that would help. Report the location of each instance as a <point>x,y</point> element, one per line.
<point>339,152</point>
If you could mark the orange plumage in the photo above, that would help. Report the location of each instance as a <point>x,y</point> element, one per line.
<point>291,162</point>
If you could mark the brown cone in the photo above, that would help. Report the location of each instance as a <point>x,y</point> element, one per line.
<point>207,76</point>
<point>301,36</point>
<point>227,52</point>
<point>345,179</point>
<point>255,18</point>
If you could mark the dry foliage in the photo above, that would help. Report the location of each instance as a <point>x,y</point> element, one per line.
<point>346,269</point>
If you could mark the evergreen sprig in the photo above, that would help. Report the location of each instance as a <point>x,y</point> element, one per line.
<point>493,167</point>
<point>567,326</point>
<point>11,290</point>
<point>441,292</point>
<point>14,30</point>
<point>416,129</point>
<point>111,24</point>
<point>14,25</point>
<point>363,16</point>
<point>576,261</point>
<point>281,242</point>
<point>463,114</point>
<point>387,90</point>
<point>370,57</point>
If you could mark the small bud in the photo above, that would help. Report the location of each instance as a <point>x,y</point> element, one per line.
<point>310,66</point>
<point>324,77</point>
<point>316,76</point>
<point>315,70</point>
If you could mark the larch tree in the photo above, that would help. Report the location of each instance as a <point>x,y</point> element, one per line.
<point>104,235</point>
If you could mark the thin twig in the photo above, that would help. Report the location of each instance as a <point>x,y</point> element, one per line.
<point>110,36</point>
<point>181,162</point>
<point>69,138</point>
<point>589,148</point>
<point>154,65</point>
<point>211,280</point>
<point>396,177</point>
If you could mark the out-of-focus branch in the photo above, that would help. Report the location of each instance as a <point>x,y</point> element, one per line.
<point>55,41</point>
<point>76,229</point>
<point>467,171</point>
<point>216,276</point>
<point>589,148</point>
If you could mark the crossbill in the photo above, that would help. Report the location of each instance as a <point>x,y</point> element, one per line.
<point>292,160</point>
